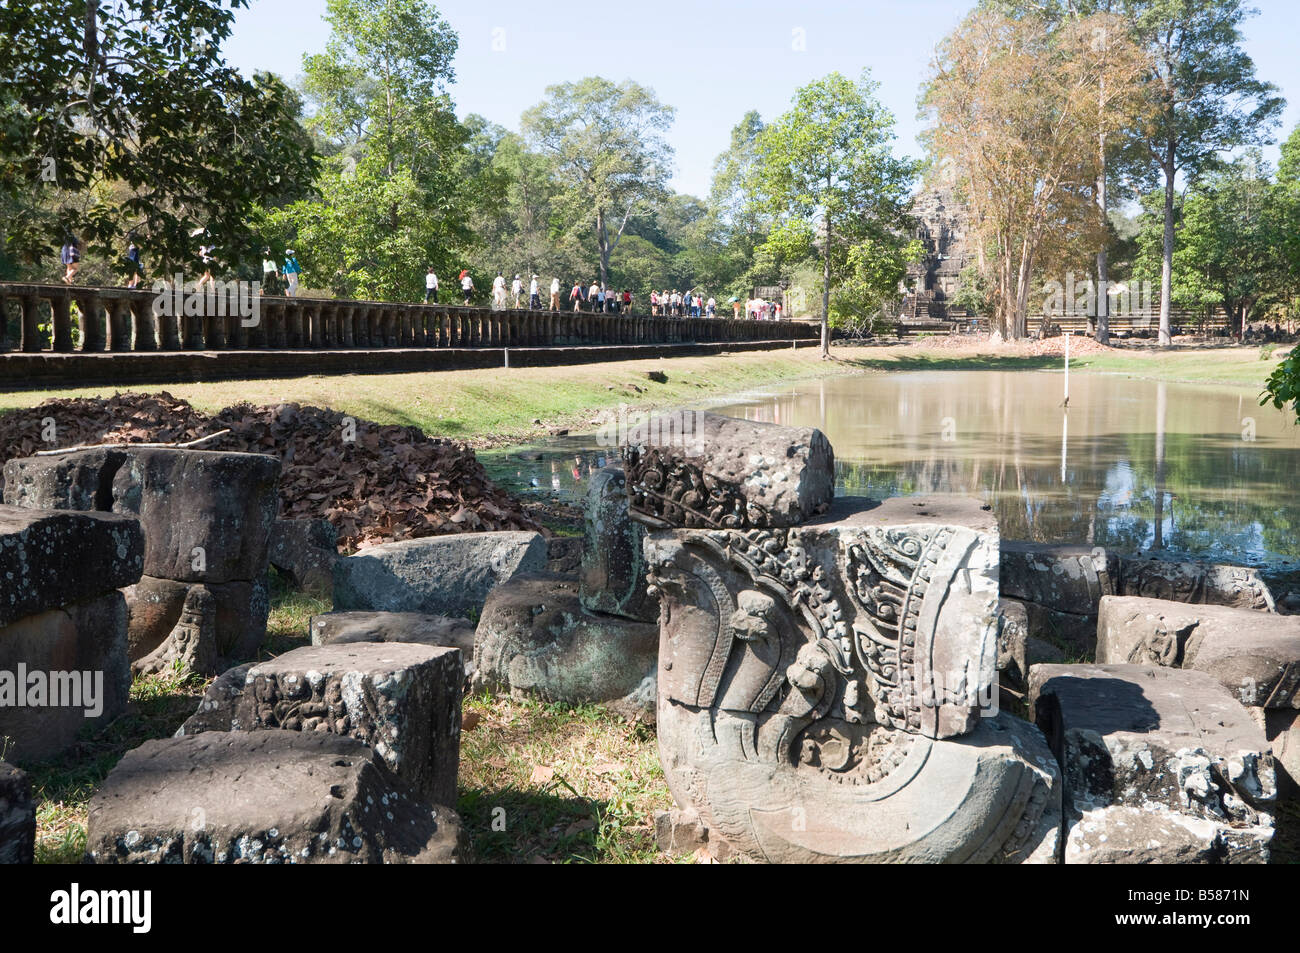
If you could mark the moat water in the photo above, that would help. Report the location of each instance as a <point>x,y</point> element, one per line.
<point>1191,470</point>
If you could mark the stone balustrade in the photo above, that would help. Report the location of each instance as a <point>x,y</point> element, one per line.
<point>123,319</point>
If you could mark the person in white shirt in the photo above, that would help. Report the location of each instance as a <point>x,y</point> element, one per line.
<point>534,299</point>
<point>430,287</point>
<point>555,294</point>
<point>712,307</point>
<point>593,296</point>
<point>467,286</point>
<point>499,292</point>
<point>517,289</point>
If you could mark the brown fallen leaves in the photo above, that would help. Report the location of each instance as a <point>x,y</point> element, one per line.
<point>376,483</point>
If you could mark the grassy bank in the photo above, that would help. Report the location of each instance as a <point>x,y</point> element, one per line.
<point>495,407</point>
<point>1241,367</point>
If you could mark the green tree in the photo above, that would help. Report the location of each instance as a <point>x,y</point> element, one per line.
<point>129,115</point>
<point>1207,100</point>
<point>400,191</point>
<point>607,143</point>
<point>826,173</point>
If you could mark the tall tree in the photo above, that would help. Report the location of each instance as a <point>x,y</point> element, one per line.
<point>1207,100</point>
<point>826,173</point>
<point>607,141</point>
<point>129,107</point>
<point>398,194</point>
<point>1018,106</point>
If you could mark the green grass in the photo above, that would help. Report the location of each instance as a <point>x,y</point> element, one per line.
<point>1246,367</point>
<point>562,784</point>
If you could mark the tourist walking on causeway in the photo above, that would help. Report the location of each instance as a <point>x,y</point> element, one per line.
<point>593,296</point>
<point>712,307</point>
<point>70,256</point>
<point>207,258</point>
<point>555,294</point>
<point>576,295</point>
<point>534,297</point>
<point>467,286</point>
<point>291,272</point>
<point>517,290</point>
<point>270,274</point>
<point>499,292</point>
<point>133,263</point>
<point>430,287</point>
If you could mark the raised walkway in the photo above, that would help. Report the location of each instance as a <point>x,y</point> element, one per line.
<point>140,336</point>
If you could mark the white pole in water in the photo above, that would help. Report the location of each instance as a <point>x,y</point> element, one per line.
<point>1067,369</point>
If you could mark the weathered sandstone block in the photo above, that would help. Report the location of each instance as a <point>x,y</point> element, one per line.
<point>535,638</point>
<point>441,575</point>
<point>708,471</point>
<point>1255,655</point>
<point>401,699</point>
<point>50,558</point>
<point>266,797</point>
<point>17,817</point>
<point>1172,749</point>
<point>613,572</point>
<point>828,692</point>
<point>62,671</point>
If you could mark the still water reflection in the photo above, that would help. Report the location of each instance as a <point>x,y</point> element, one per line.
<point>1135,465</point>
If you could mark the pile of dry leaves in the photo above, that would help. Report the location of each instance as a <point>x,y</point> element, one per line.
<point>375,483</point>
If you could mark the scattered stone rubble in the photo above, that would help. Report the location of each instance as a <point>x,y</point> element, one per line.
<point>825,674</point>
<point>63,625</point>
<point>202,602</point>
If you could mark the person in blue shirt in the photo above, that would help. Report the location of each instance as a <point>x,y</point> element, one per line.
<point>291,272</point>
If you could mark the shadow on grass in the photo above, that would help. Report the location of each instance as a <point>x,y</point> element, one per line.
<point>1285,848</point>
<point>515,826</point>
<point>62,787</point>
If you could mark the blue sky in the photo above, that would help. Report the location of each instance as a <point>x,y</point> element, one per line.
<point>712,59</point>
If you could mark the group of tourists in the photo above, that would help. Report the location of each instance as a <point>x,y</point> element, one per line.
<point>676,304</point>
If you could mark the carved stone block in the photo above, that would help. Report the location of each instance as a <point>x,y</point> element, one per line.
<point>828,692</point>
<point>713,472</point>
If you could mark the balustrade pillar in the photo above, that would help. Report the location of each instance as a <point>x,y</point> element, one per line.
<point>62,324</point>
<point>92,323</point>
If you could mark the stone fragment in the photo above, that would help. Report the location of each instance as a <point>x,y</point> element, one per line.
<point>613,574</point>
<point>305,552</point>
<point>206,515</point>
<point>564,553</point>
<point>1063,578</point>
<point>50,558</point>
<point>1194,582</point>
<point>1139,835</point>
<point>441,575</point>
<point>340,628</point>
<point>680,832</point>
<point>17,817</point>
<point>1168,743</point>
<point>1282,729</point>
<point>1017,649</point>
<point>695,469</point>
<point>401,699</point>
<point>828,692</point>
<point>62,671</point>
<point>264,797</point>
<point>1255,655</point>
<point>534,637</point>
<point>212,627</point>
